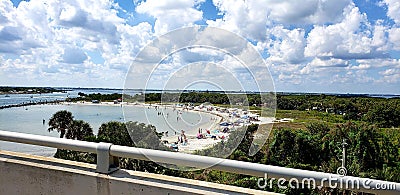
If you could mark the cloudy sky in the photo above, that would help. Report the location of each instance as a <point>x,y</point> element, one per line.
<point>309,46</point>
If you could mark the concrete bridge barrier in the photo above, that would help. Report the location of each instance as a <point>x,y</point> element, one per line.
<point>28,174</point>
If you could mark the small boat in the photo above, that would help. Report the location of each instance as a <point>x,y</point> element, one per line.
<point>7,95</point>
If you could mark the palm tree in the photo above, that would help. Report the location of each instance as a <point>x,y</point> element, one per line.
<point>61,121</point>
<point>79,130</point>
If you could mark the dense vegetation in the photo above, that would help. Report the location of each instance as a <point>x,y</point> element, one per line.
<point>312,141</point>
<point>27,90</point>
<point>379,111</point>
<point>96,96</point>
<point>201,97</point>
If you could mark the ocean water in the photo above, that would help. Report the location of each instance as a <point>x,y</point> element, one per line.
<point>30,120</point>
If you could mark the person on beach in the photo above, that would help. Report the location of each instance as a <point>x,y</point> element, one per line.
<point>185,140</point>
<point>200,136</point>
<point>183,137</point>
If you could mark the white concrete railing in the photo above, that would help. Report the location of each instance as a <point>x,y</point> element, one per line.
<point>107,153</point>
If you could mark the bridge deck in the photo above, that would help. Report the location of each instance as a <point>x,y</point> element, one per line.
<point>30,174</point>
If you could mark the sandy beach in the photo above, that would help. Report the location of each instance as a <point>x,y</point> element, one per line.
<point>212,131</point>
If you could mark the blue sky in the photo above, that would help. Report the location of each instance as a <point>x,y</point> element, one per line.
<point>339,46</point>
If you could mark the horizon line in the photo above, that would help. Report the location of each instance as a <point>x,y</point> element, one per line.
<point>207,90</point>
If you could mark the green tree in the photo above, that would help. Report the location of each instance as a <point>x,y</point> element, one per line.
<point>384,114</point>
<point>79,130</point>
<point>145,136</point>
<point>115,132</point>
<point>62,122</point>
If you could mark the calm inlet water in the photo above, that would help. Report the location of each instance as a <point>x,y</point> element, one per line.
<point>30,120</point>
<point>12,99</point>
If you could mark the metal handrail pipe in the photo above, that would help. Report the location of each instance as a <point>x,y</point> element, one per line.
<point>53,142</point>
<point>254,169</point>
<point>106,150</point>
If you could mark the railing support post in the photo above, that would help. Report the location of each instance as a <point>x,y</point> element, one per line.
<point>106,163</point>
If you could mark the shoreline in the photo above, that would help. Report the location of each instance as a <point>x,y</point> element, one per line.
<point>193,143</point>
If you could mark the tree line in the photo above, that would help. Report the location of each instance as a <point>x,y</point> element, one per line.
<point>378,111</point>
<point>28,90</point>
<point>202,97</point>
<point>372,148</point>
<point>96,96</point>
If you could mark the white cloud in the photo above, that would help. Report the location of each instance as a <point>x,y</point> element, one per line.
<point>74,56</point>
<point>390,76</point>
<point>377,63</point>
<point>54,39</point>
<point>308,11</point>
<point>361,67</point>
<point>349,39</point>
<point>312,41</point>
<point>286,46</point>
<point>248,18</point>
<point>394,38</point>
<point>19,31</point>
<point>393,10</point>
<point>170,15</point>
<point>252,18</point>
<point>379,39</point>
<point>133,38</point>
<point>341,33</point>
<point>317,62</point>
<point>391,71</point>
<point>322,68</point>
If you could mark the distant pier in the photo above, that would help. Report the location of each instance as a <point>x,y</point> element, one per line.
<point>31,103</point>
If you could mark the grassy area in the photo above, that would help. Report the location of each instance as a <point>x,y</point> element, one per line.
<point>302,118</point>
